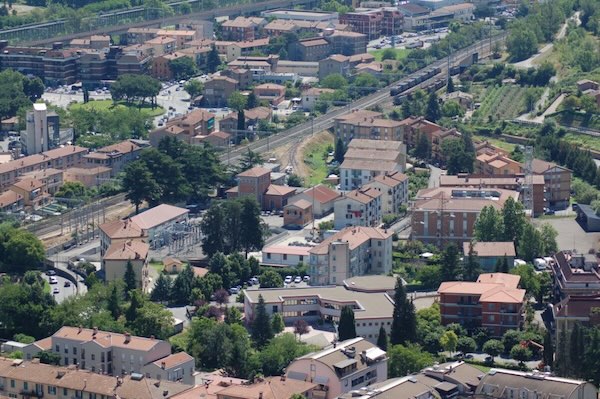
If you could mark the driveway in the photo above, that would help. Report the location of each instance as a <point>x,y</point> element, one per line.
<point>434,176</point>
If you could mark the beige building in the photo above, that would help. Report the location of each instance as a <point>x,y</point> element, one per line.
<point>500,384</point>
<point>114,261</point>
<point>320,197</point>
<point>361,207</point>
<point>364,124</point>
<point>52,178</point>
<point>394,191</point>
<point>114,156</point>
<point>28,379</point>
<point>271,388</point>
<point>557,181</point>
<point>185,128</point>
<point>347,366</point>
<point>89,177</point>
<point>118,232</point>
<point>353,251</point>
<point>33,191</point>
<point>116,354</point>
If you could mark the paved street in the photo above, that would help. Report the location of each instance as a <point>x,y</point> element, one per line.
<point>63,292</point>
<point>434,176</point>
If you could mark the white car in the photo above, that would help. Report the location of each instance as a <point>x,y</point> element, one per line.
<point>298,279</point>
<point>53,280</point>
<point>288,279</point>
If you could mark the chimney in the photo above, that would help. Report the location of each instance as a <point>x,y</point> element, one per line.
<point>283,378</point>
<point>127,338</point>
<point>152,337</point>
<point>163,365</point>
<point>80,329</point>
<point>260,395</point>
<point>95,331</point>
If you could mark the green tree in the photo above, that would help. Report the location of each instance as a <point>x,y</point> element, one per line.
<point>20,250</point>
<point>576,349</point>
<point>277,323</point>
<point>129,277</point>
<point>510,339</point>
<point>181,289</point>
<point>471,269</point>
<point>251,231</point>
<point>466,345</point>
<point>162,289</point>
<point>294,180</point>
<point>213,61</point>
<point>49,357</point>
<point>212,230</point>
<point>548,237</point>
<point>449,263</point>
<point>140,185</point>
<point>261,325</point>
<point>488,226</point>
<point>520,353</point>
<point>382,339</point>
<point>521,43</point>
<point>280,352</point>
<point>135,303</point>
<point>513,218</point>
<point>404,360</point>
<point>423,147</point>
<point>450,86</point>
<point>334,81</point>
<point>548,350</point>
<point>404,322</point>
<point>250,159</point>
<point>183,68</point>
<point>73,190</point>
<point>449,341</point>
<point>194,88</point>
<point>340,150</point>
<point>270,279</point>
<point>531,245</point>
<point>114,302</point>
<point>237,101</point>
<point>388,54</point>
<point>347,327</point>
<point>433,112</point>
<point>493,347</point>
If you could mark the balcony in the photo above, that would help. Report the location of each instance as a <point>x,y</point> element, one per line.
<point>31,393</point>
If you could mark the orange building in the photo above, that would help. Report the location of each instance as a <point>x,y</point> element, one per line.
<point>256,182</point>
<point>494,302</point>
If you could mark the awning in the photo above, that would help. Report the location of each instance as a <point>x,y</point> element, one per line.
<point>375,353</point>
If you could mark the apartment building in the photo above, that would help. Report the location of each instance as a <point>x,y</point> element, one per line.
<point>347,366</point>
<point>366,159</point>
<point>347,43</point>
<point>272,388</point>
<point>114,156</point>
<point>117,256</point>
<point>273,93</point>
<point>311,49</point>
<point>34,193</point>
<point>575,275</point>
<point>360,207</point>
<point>364,124</point>
<point>141,35</point>
<point>493,302</point>
<point>374,23</point>
<point>51,178</point>
<point>311,96</point>
<point>243,29</point>
<point>297,214</point>
<point>284,255</point>
<point>42,130</point>
<point>501,383</point>
<point>558,182</point>
<point>11,202</point>
<point>506,182</point>
<point>335,63</point>
<point>185,128</point>
<point>583,309</point>
<point>29,379</point>
<point>321,198</point>
<point>234,50</point>
<point>181,36</point>
<point>445,215</point>
<point>218,89</point>
<point>394,191</point>
<point>114,354</point>
<point>372,309</point>
<point>256,182</point>
<point>118,232</point>
<point>496,165</point>
<point>353,251</point>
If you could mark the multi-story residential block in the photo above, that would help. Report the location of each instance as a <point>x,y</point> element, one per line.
<point>141,35</point>
<point>360,207</point>
<point>11,202</point>
<point>114,354</point>
<point>320,197</point>
<point>256,182</point>
<point>368,296</point>
<point>114,156</point>
<point>507,182</point>
<point>273,93</point>
<point>297,214</point>
<point>374,23</point>
<point>89,177</point>
<point>366,159</point>
<point>347,43</point>
<point>234,50</point>
<point>218,89</point>
<point>335,63</point>
<point>501,383</point>
<point>53,179</point>
<point>242,29</point>
<point>575,275</point>
<point>302,15</point>
<point>284,255</point>
<point>311,49</point>
<point>118,232</point>
<point>347,366</point>
<point>34,379</point>
<point>217,140</point>
<point>493,302</point>
<point>445,215</point>
<point>490,253</point>
<point>185,128</point>
<point>117,256</point>
<point>364,124</point>
<point>181,37</point>
<point>272,388</point>
<point>311,96</point>
<point>573,309</point>
<point>394,191</point>
<point>558,182</point>
<point>161,65</point>
<point>497,165</point>
<point>33,191</point>
<point>353,251</point>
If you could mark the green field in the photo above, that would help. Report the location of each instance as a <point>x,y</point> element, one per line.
<point>583,140</point>
<point>501,103</point>
<point>315,160</point>
<point>497,142</point>
<point>400,53</point>
<point>108,105</point>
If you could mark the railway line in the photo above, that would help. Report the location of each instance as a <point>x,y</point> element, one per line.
<point>382,96</point>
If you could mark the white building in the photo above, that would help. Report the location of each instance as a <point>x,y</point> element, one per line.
<point>311,96</point>
<point>361,207</point>
<point>353,251</point>
<point>157,223</point>
<point>394,191</point>
<point>284,255</point>
<point>342,368</point>
<point>41,128</point>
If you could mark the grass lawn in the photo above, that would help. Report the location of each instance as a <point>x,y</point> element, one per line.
<point>107,105</point>
<point>583,140</point>
<point>400,53</point>
<point>497,142</point>
<point>314,160</point>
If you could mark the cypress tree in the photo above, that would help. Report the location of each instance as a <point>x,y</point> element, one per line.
<point>548,350</point>
<point>129,277</point>
<point>382,339</point>
<point>261,326</point>
<point>347,328</point>
<point>114,302</point>
<point>404,323</point>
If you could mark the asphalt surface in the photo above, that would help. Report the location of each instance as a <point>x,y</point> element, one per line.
<point>63,292</point>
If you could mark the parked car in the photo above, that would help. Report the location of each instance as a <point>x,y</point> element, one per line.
<point>459,355</point>
<point>288,279</point>
<point>55,290</point>
<point>489,359</point>
<point>50,272</point>
<point>298,279</point>
<point>234,290</point>
<point>53,280</point>
<point>306,279</point>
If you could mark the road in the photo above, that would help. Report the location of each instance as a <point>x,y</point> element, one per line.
<point>324,122</point>
<point>63,292</point>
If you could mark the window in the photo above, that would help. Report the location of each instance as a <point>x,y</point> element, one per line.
<point>67,349</point>
<point>268,255</point>
<point>66,361</point>
<point>25,386</point>
<point>378,243</point>
<point>65,392</point>
<point>275,309</point>
<point>51,390</point>
<point>284,256</point>
<point>12,383</point>
<point>57,348</point>
<point>75,350</point>
<point>93,357</point>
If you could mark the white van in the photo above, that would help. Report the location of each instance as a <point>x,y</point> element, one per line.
<point>540,264</point>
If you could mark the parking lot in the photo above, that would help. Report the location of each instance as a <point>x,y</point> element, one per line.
<point>408,40</point>
<point>570,234</point>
